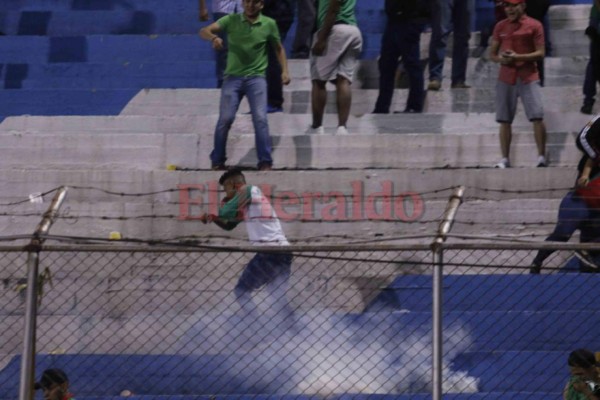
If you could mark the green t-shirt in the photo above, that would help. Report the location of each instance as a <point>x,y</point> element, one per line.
<point>247,43</point>
<point>345,15</point>
<point>232,212</point>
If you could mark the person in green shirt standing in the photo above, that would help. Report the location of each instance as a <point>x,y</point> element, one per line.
<point>249,34</point>
<point>337,46</point>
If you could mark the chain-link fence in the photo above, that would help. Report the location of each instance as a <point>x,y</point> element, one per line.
<point>164,321</point>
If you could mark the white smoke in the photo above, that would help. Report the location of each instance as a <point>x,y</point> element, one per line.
<point>322,353</point>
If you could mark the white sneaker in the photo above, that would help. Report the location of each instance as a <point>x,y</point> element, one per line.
<point>504,163</point>
<point>315,131</point>
<point>542,162</point>
<point>341,130</point>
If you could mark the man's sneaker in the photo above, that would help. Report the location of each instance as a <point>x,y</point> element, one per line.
<point>315,131</point>
<point>434,85</point>
<point>542,163</point>
<point>535,269</point>
<point>504,163</point>
<point>586,109</point>
<point>460,85</point>
<point>587,261</point>
<point>219,167</point>
<point>341,130</point>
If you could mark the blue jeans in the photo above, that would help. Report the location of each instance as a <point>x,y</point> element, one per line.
<point>265,269</point>
<point>400,39</point>
<point>450,16</point>
<point>573,214</point>
<point>233,91</point>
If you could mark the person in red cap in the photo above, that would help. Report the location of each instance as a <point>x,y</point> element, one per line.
<point>517,43</point>
<point>55,385</point>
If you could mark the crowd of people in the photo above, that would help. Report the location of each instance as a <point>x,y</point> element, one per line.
<point>251,61</point>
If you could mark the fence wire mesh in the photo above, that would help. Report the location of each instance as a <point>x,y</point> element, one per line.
<point>167,322</point>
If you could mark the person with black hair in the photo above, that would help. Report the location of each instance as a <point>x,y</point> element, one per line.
<point>584,382</point>
<point>55,385</point>
<point>272,269</point>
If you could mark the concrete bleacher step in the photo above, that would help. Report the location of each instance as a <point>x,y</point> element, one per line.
<point>191,151</point>
<point>188,102</point>
<point>569,16</point>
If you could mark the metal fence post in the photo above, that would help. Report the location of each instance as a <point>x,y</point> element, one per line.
<point>34,247</point>
<point>437,289</point>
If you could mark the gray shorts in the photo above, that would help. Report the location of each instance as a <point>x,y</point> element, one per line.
<point>341,54</point>
<point>506,100</point>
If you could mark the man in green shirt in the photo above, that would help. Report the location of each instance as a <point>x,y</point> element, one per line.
<point>248,34</point>
<point>334,57</point>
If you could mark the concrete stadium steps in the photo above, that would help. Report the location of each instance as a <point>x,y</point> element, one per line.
<point>107,60</point>
<point>194,102</point>
<point>145,118</point>
<point>376,141</point>
<point>189,151</point>
<point>569,16</point>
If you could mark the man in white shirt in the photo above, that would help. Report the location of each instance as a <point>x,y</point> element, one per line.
<point>270,269</point>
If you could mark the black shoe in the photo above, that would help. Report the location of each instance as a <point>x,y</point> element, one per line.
<point>535,269</point>
<point>586,109</point>
<point>586,261</point>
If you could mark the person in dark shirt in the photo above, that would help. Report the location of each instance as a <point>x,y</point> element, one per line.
<point>401,39</point>
<point>282,11</point>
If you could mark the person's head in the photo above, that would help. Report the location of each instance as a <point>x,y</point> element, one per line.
<point>582,363</point>
<point>514,9</point>
<point>54,383</point>
<point>231,181</point>
<point>252,8</point>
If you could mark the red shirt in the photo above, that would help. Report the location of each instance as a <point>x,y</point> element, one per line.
<point>522,36</point>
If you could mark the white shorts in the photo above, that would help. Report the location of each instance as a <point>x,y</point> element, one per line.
<point>344,45</point>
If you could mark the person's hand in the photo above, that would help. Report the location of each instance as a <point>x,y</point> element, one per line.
<point>507,57</point>
<point>217,43</point>
<point>319,47</point>
<point>583,181</point>
<point>204,218</point>
<point>285,79</point>
<point>207,218</point>
<point>203,15</point>
<point>582,387</point>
